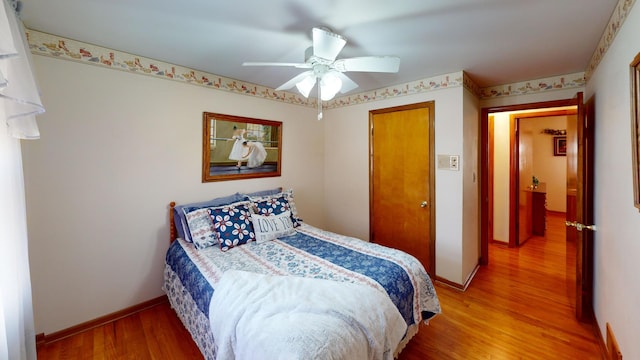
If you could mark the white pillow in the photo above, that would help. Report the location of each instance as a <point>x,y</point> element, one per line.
<point>201,228</point>
<point>269,227</point>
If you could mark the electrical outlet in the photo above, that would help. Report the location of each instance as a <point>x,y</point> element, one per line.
<point>454,162</point>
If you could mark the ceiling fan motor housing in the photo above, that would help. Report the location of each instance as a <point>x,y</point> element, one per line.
<point>312,59</point>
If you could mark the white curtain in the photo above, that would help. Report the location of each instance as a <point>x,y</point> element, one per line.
<point>17,333</point>
<point>19,103</point>
<point>18,91</point>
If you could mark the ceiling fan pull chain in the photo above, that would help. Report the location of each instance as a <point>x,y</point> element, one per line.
<point>319,103</point>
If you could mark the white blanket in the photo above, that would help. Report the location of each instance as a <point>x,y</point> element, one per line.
<point>257,316</point>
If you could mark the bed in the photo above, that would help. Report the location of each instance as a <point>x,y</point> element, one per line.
<point>249,279</point>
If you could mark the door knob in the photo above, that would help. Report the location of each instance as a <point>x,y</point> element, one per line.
<point>424,204</point>
<point>580,226</point>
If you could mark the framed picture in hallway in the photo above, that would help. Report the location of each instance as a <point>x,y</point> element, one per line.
<point>559,146</point>
<point>635,128</point>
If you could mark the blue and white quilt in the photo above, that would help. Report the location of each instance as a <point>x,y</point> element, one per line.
<point>309,253</point>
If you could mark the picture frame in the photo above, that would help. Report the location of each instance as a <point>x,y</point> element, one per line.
<point>635,127</point>
<point>237,147</point>
<point>559,146</point>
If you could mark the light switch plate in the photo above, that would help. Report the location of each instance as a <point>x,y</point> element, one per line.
<point>454,162</point>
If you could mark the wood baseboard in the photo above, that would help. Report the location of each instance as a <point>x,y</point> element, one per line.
<point>613,349</point>
<point>471,276</point>
<point>556,213</point>
<point>498,242</point>
<point>601,342</point>
<point>40,340</point>
<point>44,339</point>
<point>450,283</point>
<point>461,287</point>
<point>604,345</point>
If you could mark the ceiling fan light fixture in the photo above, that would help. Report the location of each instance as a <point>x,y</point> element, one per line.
<point>305,85</point>
<point>330,84</point>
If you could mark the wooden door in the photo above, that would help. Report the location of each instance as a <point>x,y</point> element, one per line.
<point>584,236</point>
<point>402,180</point>
<point>572,190</point>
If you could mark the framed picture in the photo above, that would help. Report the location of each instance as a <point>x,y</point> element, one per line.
<point>559,146</point>
<point>236,147</point>
<point>635,128</point>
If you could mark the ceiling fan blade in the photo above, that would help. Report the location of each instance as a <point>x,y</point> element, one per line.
<point>387,64</point>
<point>326,44</point>
<point>297,65</point>
<point>296,79</point>
<point>347,84</point>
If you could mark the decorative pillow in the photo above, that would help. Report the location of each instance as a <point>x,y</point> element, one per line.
<point>201,228</point>
<point>276,204</point>
<point>272,226</point>
<point>180,212</point>
<point>232,224</point>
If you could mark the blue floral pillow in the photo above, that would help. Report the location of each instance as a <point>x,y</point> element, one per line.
<point>180,211</point>
<point>232,224</point>
<point>275,205</point>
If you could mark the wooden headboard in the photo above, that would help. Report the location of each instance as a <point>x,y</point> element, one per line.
<point>173,234</point>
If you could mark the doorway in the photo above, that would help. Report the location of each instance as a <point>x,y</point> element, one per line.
<point>486,150</point>
<point>581,159</point>
<point>541,173</point>
<point>402,180</point>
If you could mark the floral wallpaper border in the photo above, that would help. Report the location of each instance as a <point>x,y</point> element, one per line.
<point>415,87</point>
<point>569,81</point>
<point>58,47</point>
<point>55,46</point>
<point>623,8</point>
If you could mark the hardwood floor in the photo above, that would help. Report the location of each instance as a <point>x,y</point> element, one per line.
<point>517,307</point>
<point>156,333</point>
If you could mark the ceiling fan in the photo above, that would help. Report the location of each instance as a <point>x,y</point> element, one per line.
<point>327,71</point>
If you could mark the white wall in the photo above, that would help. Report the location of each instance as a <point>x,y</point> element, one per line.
<point>116,148</point>
<point>471,190</point>
<point>347,174</point>
<point>617,241</point>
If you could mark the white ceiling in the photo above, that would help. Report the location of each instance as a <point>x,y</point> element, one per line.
<point>494,41</point>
